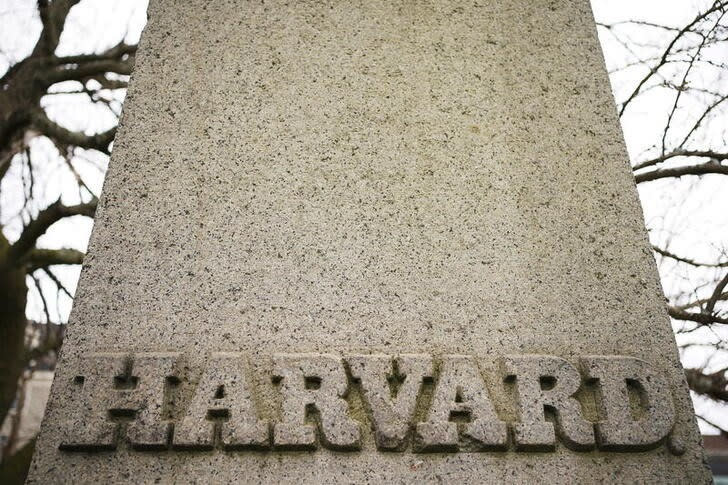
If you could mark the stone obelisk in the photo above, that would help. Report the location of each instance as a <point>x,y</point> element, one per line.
<point>381,241</point>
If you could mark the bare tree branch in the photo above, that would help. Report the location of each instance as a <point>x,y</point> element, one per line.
<point>99,141</point>
<point>722,431</point>
<point>716,295</point>
<point>701,302</point>
<point>714,385</point>
<point>42,298</point>
<point>75,72</point>
<point>717,6</point>
<point>117,52</point>
<point>689,261</point>
<point>53,16</point>
<point>682,153</point>
<point>42,258</point>
<point>702,118</point>
<point>36,228</point>
<point>702,169</point>
<point>59,285</point>
<point>702,318</point>
<point>681,88</point>
<point>637,22</point>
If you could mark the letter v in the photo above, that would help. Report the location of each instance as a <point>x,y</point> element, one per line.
<point>392,407</point>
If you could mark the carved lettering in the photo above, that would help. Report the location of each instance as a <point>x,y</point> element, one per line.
<point>223,395</point>
<point>635,403</point>
<point>413,401</point>
<point>546,384</point>
<point>110,385</point>
<point>151,371</point>
<point>391,394</point>
<point>460,395</point>
<point>313,383</point>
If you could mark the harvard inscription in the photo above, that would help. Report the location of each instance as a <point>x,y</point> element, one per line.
<point>409,401</point>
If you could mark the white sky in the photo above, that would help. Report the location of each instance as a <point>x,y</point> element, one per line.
<point>689,216</point>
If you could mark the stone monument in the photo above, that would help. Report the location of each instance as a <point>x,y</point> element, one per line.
<point>377,241</point>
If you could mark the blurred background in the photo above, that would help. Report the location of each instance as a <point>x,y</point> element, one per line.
<point>64,68</point>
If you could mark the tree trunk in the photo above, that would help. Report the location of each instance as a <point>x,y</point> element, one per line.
<point>13,295</point>
<point>14,470</point>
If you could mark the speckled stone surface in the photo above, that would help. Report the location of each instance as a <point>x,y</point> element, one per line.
<point>381,176</point>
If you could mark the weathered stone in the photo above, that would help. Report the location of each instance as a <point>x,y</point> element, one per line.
<point>313,384</point>
<point>223,392</point>
<point>320,180</point>
<point>548,383</point>
<point>460,394</point>
<point>86,425</point>
<point>110,387</point>
<point>635,401</point>
<point>393,390</point>
<point>392,409</point>
<point>151,371</point>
